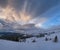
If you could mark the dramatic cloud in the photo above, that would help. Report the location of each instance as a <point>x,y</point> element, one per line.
<point>3,3</point>
<point>27,11</point>
<point>11,14</point>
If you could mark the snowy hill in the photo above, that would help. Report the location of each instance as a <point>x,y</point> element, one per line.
<point>40,44</point>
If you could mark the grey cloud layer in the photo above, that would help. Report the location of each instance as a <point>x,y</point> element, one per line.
<point>33,7</point>
<point>3,3</point>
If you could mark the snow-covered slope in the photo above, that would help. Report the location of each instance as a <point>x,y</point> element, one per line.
<point>40,44</point>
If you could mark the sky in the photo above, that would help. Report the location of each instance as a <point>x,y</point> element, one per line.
<point>42,13</point>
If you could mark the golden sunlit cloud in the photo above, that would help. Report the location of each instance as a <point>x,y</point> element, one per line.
<point>23,14</point>
<point>10,14</point>
<point>24,17</point>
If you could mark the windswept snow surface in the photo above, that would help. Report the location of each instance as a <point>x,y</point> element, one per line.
<point>40,44</point>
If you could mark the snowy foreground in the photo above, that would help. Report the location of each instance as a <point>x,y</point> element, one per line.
<point>40,44</point>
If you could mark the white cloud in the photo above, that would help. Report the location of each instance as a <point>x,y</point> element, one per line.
<point>38,21</point>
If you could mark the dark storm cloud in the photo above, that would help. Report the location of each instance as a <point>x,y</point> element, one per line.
<point>18,4</point>
<point>35,7</point>
<point>44,6</point>
<point>3,3</point>
<point>25,11</point>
